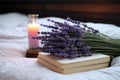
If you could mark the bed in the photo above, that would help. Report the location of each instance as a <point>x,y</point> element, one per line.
<point>14,65</point>
<point>14,43</point>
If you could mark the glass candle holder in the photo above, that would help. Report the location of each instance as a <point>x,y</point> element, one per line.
<point>33,29</point>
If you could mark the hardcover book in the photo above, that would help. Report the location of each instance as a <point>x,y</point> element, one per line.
<point>80,64</point>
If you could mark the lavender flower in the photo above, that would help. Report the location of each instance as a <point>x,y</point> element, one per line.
<point>65,40</point>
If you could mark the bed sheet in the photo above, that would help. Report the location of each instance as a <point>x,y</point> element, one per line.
<point>12,68</point>
<point>14,43</point>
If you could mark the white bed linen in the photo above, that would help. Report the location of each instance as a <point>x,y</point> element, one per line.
<point>14,65</point>
<point>12,68</point>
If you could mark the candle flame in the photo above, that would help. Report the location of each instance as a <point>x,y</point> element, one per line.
<point>33,17</point>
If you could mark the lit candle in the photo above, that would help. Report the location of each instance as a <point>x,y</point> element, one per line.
<point>33,28</point>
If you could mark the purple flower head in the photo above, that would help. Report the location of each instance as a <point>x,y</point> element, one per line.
<point>72,56</point>
<point>73,21</point>
<point>95,31</point>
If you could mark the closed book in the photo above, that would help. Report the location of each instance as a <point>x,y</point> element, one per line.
<point>66,63</point>
<point>73,69</point>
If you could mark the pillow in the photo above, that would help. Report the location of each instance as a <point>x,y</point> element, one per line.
<point>13,25</point>
<point>12,20</point>
<point>13,34</point>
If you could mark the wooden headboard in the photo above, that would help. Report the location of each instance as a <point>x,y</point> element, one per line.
<point>102,11</point>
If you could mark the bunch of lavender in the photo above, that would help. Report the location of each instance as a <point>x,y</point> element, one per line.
<point>66,40</point>
<point>76,39</point>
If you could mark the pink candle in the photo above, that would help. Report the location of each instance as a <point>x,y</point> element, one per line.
<point>33,28</point>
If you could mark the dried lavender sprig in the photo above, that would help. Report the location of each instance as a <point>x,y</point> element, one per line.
<point>70,39</point>
<point>49,26</point>
<point>73,21</point>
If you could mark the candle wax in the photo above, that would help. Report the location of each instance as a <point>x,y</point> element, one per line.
<point>33,28</point>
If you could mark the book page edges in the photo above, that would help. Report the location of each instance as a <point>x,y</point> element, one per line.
<point>50,60</point>
<point>72,70</point>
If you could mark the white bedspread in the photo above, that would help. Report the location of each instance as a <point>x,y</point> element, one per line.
<point>14,43</point>
<point>28,69</point>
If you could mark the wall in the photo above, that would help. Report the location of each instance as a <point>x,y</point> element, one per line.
<point>107,11</point>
